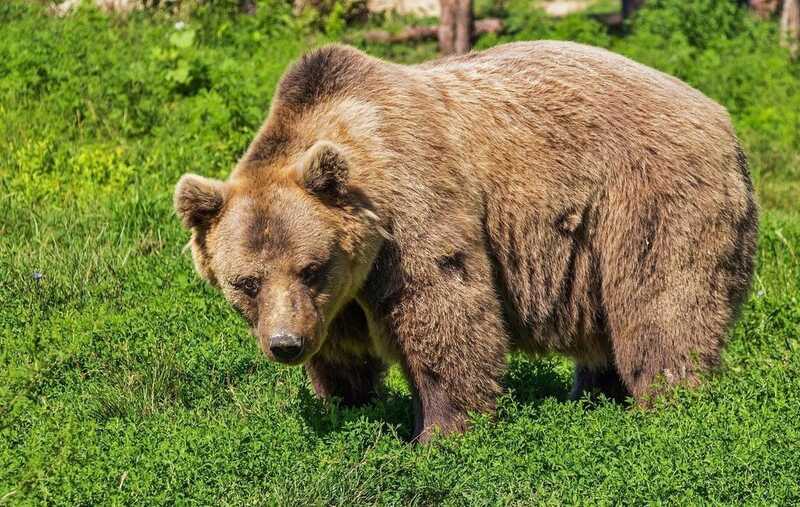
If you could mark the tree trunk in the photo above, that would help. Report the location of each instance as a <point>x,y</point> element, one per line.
<point>764,8</point>
<point>790,26</point>
<point>629,7</point>
<point>464,27</point>
<point>455,26</point>
<point>447,26</point>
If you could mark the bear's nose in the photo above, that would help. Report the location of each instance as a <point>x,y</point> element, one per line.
<point>286,347</point>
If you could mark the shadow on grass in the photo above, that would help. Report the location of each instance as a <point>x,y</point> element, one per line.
<point>531,380</point>
<point>526,380</point>
<point>389,407</point>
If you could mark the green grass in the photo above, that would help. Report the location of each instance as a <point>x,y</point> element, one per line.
<point>124,379</point>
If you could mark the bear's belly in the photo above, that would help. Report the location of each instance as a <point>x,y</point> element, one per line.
<point>547,276</point>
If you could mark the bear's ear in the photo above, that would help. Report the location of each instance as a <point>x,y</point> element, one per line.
<point>323,171</point>
<point>198,199</point>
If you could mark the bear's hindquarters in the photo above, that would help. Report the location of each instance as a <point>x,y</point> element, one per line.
<point>677,265</point>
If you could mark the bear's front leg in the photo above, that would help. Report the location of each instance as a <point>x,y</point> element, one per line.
<point>353,380</point>
<point>345,368</point>
<point>453,343</point>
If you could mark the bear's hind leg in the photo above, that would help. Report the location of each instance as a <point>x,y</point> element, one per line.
<point>652,361</point>
<point>668,321</point>
<point>675,267</point>
<point>666,332</point>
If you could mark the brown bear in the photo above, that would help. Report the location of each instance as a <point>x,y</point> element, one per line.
<point>538,196</point>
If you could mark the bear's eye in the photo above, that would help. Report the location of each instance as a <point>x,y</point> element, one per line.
<point>248,285</point>
<point>312,273</point>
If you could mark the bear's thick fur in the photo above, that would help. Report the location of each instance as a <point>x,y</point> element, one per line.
<point>542,196</point>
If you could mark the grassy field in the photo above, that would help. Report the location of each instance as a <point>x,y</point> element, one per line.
<point>125,380</point>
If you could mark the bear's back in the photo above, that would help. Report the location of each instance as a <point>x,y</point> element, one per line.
<point>588,84</point>
<point>598,72</point>
<point>544,109</point>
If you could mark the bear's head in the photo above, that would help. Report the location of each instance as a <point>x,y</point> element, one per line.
<point>287,245</point>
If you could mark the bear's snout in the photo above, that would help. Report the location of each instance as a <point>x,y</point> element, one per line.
<point>288,323</point>
<point>286,348</point>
